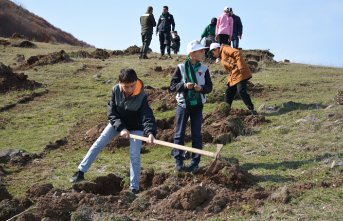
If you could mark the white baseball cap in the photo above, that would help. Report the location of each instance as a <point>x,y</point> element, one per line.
<point>227,8</point>
<point>194,46</point>
<point>214,46</point>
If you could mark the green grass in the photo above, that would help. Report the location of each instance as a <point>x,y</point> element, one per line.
<point>290,150</point>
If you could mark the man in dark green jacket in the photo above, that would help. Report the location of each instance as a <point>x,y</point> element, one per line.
<point>147,28</point>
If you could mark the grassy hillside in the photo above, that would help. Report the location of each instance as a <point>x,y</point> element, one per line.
<point>15,19</point>
<point>301,147</point>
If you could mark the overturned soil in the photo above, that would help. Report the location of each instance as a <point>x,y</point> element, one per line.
<point>162,196</point>
<point>12,81</point>
<point>52,58</point>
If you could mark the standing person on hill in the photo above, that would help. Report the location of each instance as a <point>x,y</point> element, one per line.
<point>191,80</point>
<point>147,29</point>
<point>176,42</point>
<point>128,112</point>
<point>239,73</point>
<point>165,25</point>
<point>237,30</point>
<point>224,27</point>
<point>209,34</point>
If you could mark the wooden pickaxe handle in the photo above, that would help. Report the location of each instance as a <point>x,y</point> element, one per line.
<point>177,146</point>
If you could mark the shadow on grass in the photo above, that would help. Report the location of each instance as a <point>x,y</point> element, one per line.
<point>292,106</point>
<point>284,165</point>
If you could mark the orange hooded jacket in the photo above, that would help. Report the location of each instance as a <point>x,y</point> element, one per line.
<point>234,63</point>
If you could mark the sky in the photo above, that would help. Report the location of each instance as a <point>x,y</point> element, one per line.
<point>302,31</point>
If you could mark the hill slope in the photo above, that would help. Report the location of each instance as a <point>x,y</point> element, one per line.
<point>15,19</point>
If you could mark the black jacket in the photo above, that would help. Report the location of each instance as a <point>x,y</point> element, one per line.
<point>165,23</point>
<point>237,26</point>
<point>131,113</point>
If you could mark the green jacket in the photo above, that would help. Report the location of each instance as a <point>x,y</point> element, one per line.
<point>147,23</point>
<point>209,30</point>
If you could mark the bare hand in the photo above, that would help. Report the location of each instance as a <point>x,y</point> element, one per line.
<point>125,133</point>
<point>189,85</point>
<point>151,138</point>
<point>197,88</point>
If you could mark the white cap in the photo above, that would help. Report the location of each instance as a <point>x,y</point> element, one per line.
<point>194,46</point>
<point>214,46</point>
<point>227,8</point>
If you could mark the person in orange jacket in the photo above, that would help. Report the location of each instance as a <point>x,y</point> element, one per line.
<point>239,73</point>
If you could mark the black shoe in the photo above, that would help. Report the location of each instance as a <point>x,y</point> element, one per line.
<point>145,57</point>
<point>179,165</point>
<point>193,168</point>
<point>134,191</point>
<point>253,112</point>
<point>169,56</point>
<point>77,177</point>
<point>187,155</point>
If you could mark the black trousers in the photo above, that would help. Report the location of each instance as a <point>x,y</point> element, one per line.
<point>241,88</point>
<point>223,39</point>
<point>165,41</point>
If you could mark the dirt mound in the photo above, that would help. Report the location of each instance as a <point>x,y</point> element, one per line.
<point>13,81</point>
<point>25,44</point>
<point>163,196</point>
<point>100,54</point>
<point>53,58</point>
<point>166,71</point>
<point>80,54</point>
<point>339,98</point>
<point>4,194</point>
<point>17,157</point>
<point>103,185</point>
<point>132,50</point>
<point>11,207</point>
<point>38,190</point>
<point>117,53</point>
<point>164,99</point>
<point>255,57</point>
<point>4,42</point>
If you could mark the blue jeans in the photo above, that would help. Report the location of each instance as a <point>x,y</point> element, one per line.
<point>235,42</point>
<point>135,151</point>
<point>182,116</point>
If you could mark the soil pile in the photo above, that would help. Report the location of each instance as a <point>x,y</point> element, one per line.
<point>53,58</point>
<point>255,57</point>
<point>132,50</point>
<point>181,196</point>
<point>100,54</point>
<point>25,44</point>
<point>80,54</point>
<point>4,42</point>
<point>12,81</point>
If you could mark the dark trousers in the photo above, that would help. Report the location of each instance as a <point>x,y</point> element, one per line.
<point>182,115</point>
<point>165,41</point>
<point>235,42</point>
<point>146,40</point>
<point>241,87</point>
<point>223,39</point>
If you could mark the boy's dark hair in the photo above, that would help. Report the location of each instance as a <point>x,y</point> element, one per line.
<point>127,75</point>
<point>166,7</point>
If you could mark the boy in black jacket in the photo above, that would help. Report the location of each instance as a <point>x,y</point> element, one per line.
<point>128,112</point>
